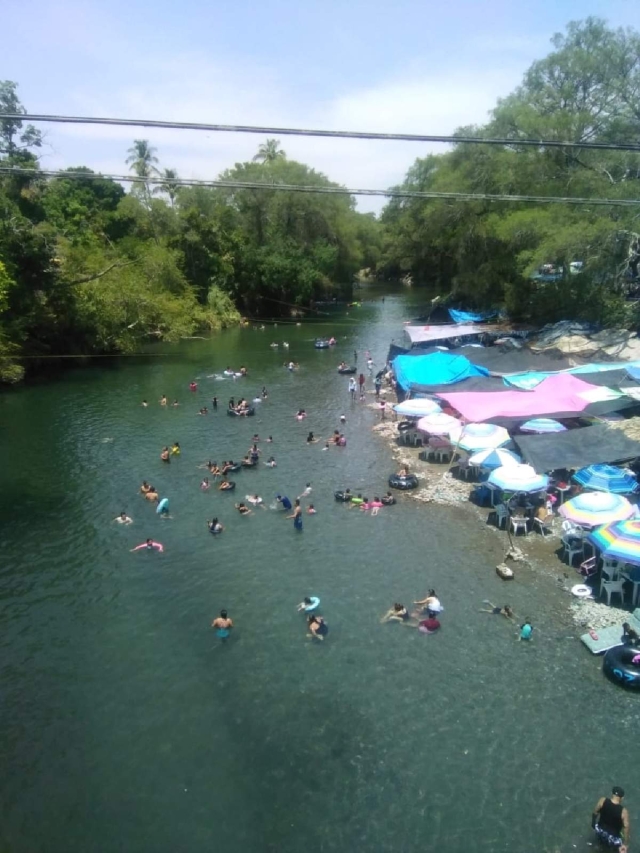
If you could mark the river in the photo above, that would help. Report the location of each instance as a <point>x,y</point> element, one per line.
<point>127,726</point>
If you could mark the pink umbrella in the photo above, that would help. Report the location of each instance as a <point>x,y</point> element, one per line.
<point>437,424</point>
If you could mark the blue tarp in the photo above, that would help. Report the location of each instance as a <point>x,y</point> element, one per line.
<point>470,316</point>
<point>437,368</point>
<point>528,381</point>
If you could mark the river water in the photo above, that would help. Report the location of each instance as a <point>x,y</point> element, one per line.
<point>127,726</point>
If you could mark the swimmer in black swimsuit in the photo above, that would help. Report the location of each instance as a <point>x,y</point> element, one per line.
<point>398,613</point>
<point>498,611</point>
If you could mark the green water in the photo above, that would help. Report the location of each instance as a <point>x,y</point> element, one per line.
<point>126,726</point>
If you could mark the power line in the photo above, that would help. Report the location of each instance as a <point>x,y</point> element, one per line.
<point>326,190</point>
<point>336,134</point>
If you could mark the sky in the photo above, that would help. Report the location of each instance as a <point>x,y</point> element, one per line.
<point>387,65</point>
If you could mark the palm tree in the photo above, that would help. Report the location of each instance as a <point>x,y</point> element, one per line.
<point>142,160</point>
<point>269,151</point>
<point>169,184</point>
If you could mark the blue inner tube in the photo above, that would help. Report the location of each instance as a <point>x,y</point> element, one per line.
<point>315,602</point>
<point>346,370</point>
<point>248,414</point>
<point>618,668</point>
<point>341,496</point>
<point>232,487</point>
<point>163,506</point>
<point>388,500</point>
<point>404,483</point>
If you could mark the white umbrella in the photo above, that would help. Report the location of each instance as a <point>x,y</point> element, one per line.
<point>494,457</point>
<point>437,424</point>
<point>479,436</point>
<point>518,478</point>
<point>417,408</point>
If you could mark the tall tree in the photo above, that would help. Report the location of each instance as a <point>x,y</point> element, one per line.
<point>15,139</point>
<point>169,185</point>
<point>143,161</point>
<point>269,152</point>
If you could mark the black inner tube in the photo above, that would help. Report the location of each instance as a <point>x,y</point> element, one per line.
<point>341,496</point>
<point>404,483</point>
<point>617,666</point>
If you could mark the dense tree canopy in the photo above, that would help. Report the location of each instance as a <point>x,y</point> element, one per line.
<point>490,253</point>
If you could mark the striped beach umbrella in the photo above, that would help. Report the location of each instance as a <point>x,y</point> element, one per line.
<point>606,478</point>
<point>417,408</point>
<point>494,457</point>
<point>543,425</point>
<point>518,478</point>
<point>479,436</point>
<point>437,424</point>
<point>591,509</point>
<point>618,541</point>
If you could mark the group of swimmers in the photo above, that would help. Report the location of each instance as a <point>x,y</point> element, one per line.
<point>167,453</point>
<point>242,407</point>
<point>429,604</point>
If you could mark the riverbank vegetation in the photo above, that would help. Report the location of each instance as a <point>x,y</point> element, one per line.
<point>490,253</point>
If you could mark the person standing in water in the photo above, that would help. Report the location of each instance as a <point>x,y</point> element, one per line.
<point>223,625</point>
<point>610,820</point>
<point>297,515</point>
<point>352,388</point>
<point>123,518</point>
<point>361,381</point>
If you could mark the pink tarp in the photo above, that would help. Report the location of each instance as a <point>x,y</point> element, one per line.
<point>561,393</point>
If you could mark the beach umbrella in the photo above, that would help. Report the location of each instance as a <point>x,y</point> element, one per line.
<point>618,541</point>
<point>437,423</point>
<point>592,509</point>
<point>417,408</point>
<point>494,457</point>
<point>606,478</point>
<point>543,425</point>
<point>479,436</point>
<point>518,478</point>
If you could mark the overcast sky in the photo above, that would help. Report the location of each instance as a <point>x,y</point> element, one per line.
<point>387,65</point>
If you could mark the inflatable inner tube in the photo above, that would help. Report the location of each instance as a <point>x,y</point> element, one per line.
<point>388,500</point>
<point>248,464</point>
<point>321,345</point>
<point>341,496</point>
<point>163,506</point>
<point>346,370</point>
<point>232,469</point>
<point>617,667</point>
<point>232,486</point>
<point>315,602</point>
<point>404,483</point>
<point>404,425</point>
<point>581,590</point>
<point>249,413</point>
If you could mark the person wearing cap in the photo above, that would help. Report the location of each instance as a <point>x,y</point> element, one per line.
<point>610,820</point>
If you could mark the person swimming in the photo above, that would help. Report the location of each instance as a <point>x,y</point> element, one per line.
<point>205,484</point>
<point>526,629</point>
<point>152,494</point>
<point>175,449</point>
<point>301,414</point>
<point>307,491</point>
<point>149,545</point>
<point>397,613</point>
<point>271,462</point>
<point>144,404</point>
<point>505,610</point>
<point>243,509</point>
<point>284,501</point>
<point>311,439</point>
<point>311,510</point>
<point>318,628</point>
<point>175,403</point>
<point>215,527</point>
<point>164,455</point>
<point>145,487</point>
<point>254,500</point>
<point>123,518</point>
<point>431,603</point>
<point>163,400</point>
<point>223,625</point>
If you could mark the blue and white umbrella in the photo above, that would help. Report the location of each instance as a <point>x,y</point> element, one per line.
<point>543,425</point>
<point>518,478</point>
<point>417,408</point>
<point>494,457</point>
<point>478,436</point>
<point>606,478</point>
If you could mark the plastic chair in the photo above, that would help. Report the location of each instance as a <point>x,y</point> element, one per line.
<point>573,544</point>
<point>613,587</point>
<point>518,522</point>
<point>588,568</point>
<point>544,525</point>
<point>501,514</point>
<point>636,588</point>
<point>610,568</point>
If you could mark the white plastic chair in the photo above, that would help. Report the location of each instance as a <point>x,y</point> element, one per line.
<point>544,525</point>
<point>502,515</point>
<point>573,544</point>
<point>613,587</point>
<point>518,523</point>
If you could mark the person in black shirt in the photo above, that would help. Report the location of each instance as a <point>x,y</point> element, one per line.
<point>610,820</point>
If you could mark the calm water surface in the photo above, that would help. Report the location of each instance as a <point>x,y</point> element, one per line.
<point>127,727</point>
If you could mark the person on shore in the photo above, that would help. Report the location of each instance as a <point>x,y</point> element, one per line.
<point>355,356</point>
<point>629,634</point>
<point>610,820</point>
<point>318,628</point>
<point>297,515</point>
<point>165,455</point>
<point>397,613</point>
<point>149,545</point>
<point>498,611</point>
<point>377,384</point>
<point>284,502</point>
<point>370,366</point>
<point>383,410</point>
<point>215,527</point>
<point>145,487</point>
<point>123,518</point>
<point>526,629</point>
<point>431,603</point>
<point>223,625</point>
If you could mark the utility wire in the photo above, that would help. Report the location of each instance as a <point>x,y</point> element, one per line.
<point>331,190</point>
<point>336,134</point>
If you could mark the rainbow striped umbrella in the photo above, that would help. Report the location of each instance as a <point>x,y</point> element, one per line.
<point>591,509</point>
<point>606,478</point>
<point>543,425</point>
<point>618,541</point>
<point>437,424</point>
<point>478,436</point>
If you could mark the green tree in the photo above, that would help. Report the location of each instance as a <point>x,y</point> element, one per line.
<point>15,138</point>
<point>142,160</point>
<point>169,185</point>
<point>269,152</point>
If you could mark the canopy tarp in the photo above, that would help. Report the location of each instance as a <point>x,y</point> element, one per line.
<point>576,448</point>
<point>471,316</point>
<point>438,368</point>
<point>560,395</point>
<point>426,334</point>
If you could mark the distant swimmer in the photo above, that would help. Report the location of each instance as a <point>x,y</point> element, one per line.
<point>144,404</point>
<point>431,603</point>
<point>505,610</point>
<point>308,604</point>
<point>270,440</point>
<point>152,494</point>
<point>214,403</point>
<point>175,449</point>
<point>163,400</point>
<point>311,510</point>
<point>165,455</point>
<point>284,502</point>
<point>149,545</point>
<point>215,527</point>
<point>223,625</point>
<point>145,487</point>
<point>307,491</point>
<point>243,509</point>
<point>301,414</point>
<point>526,629</point>
<point>123,518</point>
<point>397,613</point>
<point>226,486</point>
<point>264,393</point>
<point>318,628</point>
<point>205,485</point>
<point>175,403</point>
<point>311,439</point>
<point>271,462</point>
<point>254,500</point>
<point>343,419</point>
<point>193,386</point>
